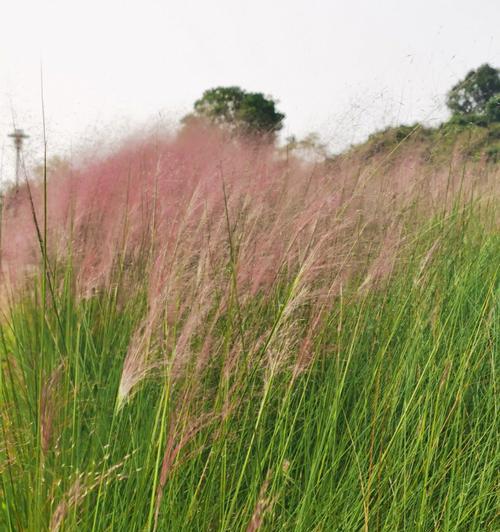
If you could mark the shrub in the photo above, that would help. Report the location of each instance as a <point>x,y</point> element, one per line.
<point>493,109</point>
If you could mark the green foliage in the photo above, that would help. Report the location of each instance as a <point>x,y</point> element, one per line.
<point>246,113</point>
<point>472,94</point>
<point>472,119</point>
<point>491,115</point>
<point>474,139</point>
<point>493,109</point>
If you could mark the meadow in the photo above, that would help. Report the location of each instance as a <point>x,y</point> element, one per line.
<point>199,333</point>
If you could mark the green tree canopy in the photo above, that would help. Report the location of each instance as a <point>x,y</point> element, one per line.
<point>472,94</point>
<point>247,113</point>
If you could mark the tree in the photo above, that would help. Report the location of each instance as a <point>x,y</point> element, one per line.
<point>472,94</point>
<point>241,112</point>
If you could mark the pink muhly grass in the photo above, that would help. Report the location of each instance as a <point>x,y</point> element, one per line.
<point>152,191</point>
<point>146,352</point>
<point>198,220</point>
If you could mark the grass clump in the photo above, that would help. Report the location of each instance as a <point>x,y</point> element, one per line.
<point>353,387</point>
<point>381,414</point>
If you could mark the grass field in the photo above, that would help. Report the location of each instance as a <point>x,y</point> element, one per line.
<point>204,336</point>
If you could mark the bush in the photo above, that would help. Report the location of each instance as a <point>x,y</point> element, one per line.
<point>493,109</point>
<point>474,119</point>
<point>392,136</point>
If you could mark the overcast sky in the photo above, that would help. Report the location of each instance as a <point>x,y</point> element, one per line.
<point>339,67</point>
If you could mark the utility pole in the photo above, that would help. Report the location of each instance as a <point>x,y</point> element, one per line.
<point>18,137</point>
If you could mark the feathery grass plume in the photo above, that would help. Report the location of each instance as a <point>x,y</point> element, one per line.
<point>381,268</point>
<point>142,197</point>
<point>425,261</point>
<point>263,505</point>
<point>179,435</point>
<point>137,365</point>
<point>49,407</point>
<point>81,487</point>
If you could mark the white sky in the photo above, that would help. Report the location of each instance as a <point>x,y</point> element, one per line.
<point>339,67</point>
